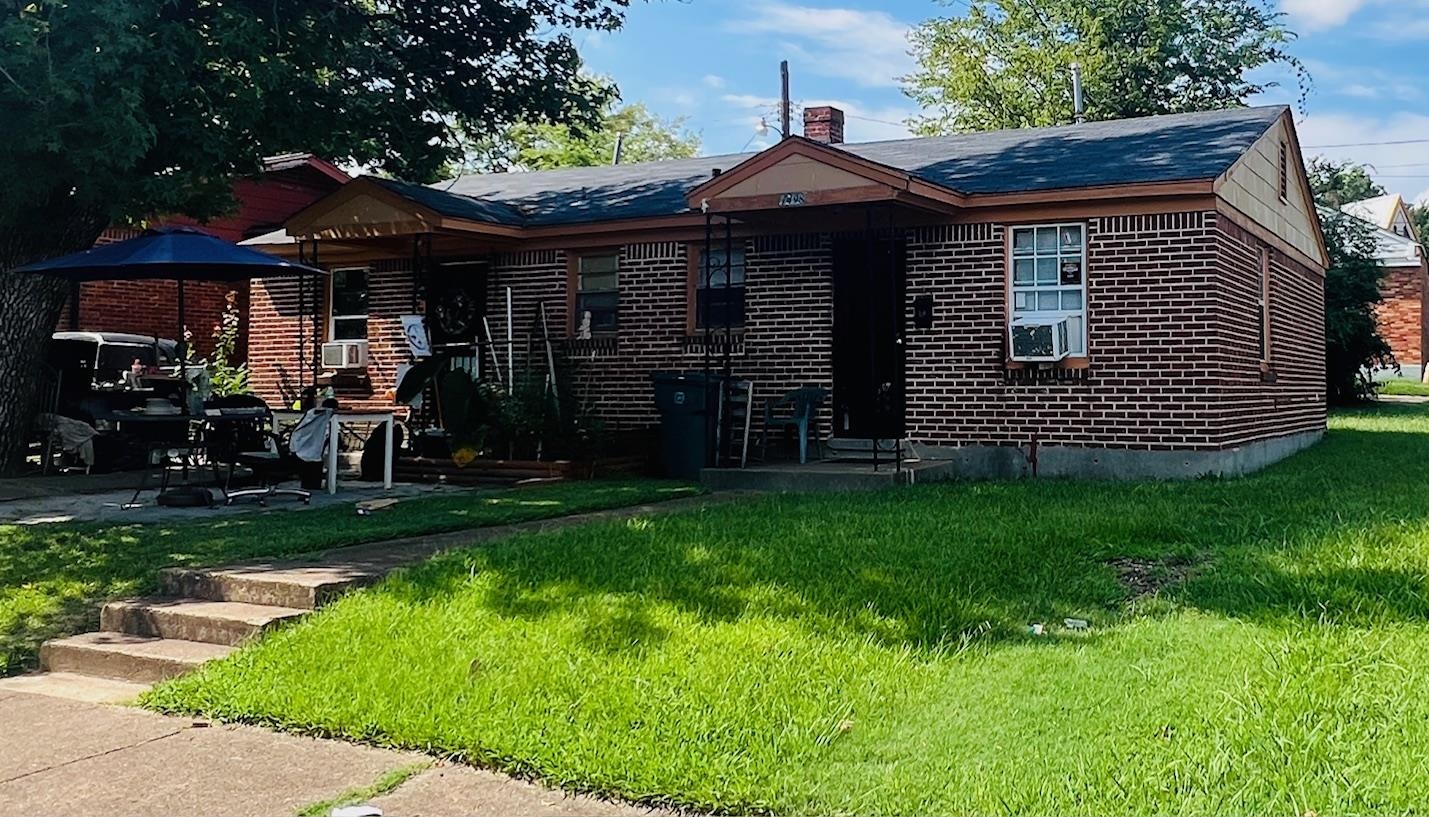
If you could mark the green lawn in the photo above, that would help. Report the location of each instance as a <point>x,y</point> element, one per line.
<point>871,654</point>
<point>53,578</point>
<point>1401,386</point>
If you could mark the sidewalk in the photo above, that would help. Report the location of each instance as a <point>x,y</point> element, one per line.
<point>64,757</point>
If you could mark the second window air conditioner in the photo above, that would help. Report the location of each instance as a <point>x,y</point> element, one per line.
<point>345,354</point>
<point>1038,340</point>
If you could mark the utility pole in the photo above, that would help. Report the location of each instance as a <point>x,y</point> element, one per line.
<point>619,148</point>
<point>784,99</point>
<point>1079,111</point>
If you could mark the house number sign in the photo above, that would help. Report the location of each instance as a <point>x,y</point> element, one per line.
<point>791,200</point>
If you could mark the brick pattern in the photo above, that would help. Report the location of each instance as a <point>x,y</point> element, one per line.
<point>1173,346</point>
<point>1290,397</point>
<point>152,308</point>
<point>278,321</point>
<point>1401,313</point>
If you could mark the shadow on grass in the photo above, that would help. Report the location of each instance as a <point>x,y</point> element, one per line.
<point>53,577</point>
<point>1340,532</point>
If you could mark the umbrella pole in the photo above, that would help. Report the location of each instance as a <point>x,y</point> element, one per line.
<point>183,343</point>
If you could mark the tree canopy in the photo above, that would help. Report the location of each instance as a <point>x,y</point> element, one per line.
<point>1006,63</point>
<point>119,110</point>
<point>1337,183</point>
<point>547,145</point>
<point>1353,345</point>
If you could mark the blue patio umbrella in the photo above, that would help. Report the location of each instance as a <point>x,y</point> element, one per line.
<point>172,254</point>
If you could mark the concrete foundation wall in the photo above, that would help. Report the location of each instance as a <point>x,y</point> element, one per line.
<point>1011,462</point>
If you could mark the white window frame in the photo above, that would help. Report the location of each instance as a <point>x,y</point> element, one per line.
<point>1077,340</point>
<point>332,317</point>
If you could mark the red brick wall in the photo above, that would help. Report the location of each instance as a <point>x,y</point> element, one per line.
<point>1401,313</point>
<point>1174,355</point>
<point>1291,396</point>
<point>278,319</point>
<point>151,307</point>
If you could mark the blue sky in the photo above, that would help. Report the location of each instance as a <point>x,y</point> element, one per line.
<point>716,64</point>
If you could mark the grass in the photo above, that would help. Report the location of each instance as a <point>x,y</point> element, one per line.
<point>386,783</point>
<point>54,577</point>
<point>828,654</point>
<point>1400,386</point>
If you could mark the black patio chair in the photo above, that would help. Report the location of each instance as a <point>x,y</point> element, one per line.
<point>802,416</point>
<point>239,432</point>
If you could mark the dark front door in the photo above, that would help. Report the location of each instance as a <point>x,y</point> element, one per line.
<point>868,337</point>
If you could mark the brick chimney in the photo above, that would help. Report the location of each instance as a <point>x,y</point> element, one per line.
<point>824,124</point>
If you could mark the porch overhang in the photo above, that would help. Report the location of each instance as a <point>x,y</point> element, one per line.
<point>366,209</point>
<point>800,173</point>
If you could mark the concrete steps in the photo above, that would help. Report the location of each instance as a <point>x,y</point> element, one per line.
<point>125,657</point>
<point>192,619</point>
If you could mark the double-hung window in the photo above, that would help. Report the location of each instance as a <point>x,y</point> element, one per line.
<point>598,291</point>
<point>719,298</point>
<point>348,312</point>
<point>1049,278</point>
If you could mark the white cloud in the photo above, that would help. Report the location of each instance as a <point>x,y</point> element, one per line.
<point>1400,168</point>
<point>869,48</point>
<point>1318,15</point>
<point>713,81</point>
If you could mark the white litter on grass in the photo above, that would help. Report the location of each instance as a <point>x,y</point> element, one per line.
<point>1036,629</point>
<point>357,811</point>
<point>1076,624</point>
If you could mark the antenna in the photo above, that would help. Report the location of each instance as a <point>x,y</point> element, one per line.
<point>1079,111</point>
<point>784,98</point>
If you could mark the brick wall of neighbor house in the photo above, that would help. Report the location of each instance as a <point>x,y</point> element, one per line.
<point>1401,313</point>
<point>152,308</point>
<point>1172,344</point>
<point>1290,397</point>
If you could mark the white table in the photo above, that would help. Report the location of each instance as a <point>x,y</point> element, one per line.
<point>335,424</point>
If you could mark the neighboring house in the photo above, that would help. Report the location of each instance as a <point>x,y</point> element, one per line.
<point>1387,212</point>
<point>287,184</point>
<point>1142,297</point>
<point>1401,312</point>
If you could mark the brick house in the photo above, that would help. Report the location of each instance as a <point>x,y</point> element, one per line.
<point>1401,311</point>
<point>1133,298</point>
<point>287,184</point>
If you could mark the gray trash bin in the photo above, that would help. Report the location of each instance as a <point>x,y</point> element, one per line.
<point>684,399</point>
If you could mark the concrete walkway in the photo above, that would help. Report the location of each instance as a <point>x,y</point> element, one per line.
<point>62,757</point>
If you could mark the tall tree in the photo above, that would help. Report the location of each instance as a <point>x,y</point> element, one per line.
<point>1419,214</point>
<point>118,110</point>
<point>643,136</point>
<point>1338,183</point>
<point>1353,345</point>
<point>1005,63</point>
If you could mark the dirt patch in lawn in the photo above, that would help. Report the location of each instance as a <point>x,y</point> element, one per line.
<point>1148,577</point>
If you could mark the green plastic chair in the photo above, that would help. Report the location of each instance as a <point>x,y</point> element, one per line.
<point>802,416</point>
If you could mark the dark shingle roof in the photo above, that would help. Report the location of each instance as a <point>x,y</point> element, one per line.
<point>1177,147</point>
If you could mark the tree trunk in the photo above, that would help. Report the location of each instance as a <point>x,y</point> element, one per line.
<point>30,307</point>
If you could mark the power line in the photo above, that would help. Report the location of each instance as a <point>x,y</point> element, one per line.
<point>1370,144</point>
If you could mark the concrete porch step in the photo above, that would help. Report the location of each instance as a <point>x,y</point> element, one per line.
<point>125,657</point>
<point>292,586</point>
<point>187,619</point>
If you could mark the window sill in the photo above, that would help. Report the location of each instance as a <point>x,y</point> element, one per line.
<point>1065,363</point>
<point>1068,371</point>
<point>600,343</point>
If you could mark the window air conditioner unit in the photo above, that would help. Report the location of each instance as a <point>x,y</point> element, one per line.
<point>345,354</point>
<point>1039,339</point>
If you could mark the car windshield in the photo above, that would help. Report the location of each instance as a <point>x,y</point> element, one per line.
<point>118,357</point>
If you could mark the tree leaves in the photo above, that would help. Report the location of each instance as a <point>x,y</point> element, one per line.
<point>1006,63</point>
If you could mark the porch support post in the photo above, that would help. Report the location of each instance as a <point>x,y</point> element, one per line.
<point>317,329</point>
<point>868,253</point>
<point>705,263</point>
